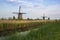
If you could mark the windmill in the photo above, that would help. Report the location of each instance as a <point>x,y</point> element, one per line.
<point>43,16</point>
<point>48,18</point>
<point>19,14</point>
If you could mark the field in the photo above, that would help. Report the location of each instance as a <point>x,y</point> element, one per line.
<point>37,30</point>
<point>11,25</point>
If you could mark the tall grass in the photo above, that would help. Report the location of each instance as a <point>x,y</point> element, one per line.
<point>49,31</point>
<point>13,26</point>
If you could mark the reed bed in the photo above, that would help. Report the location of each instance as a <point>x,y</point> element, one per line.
<point>49,31</point>
<point>21,25</point>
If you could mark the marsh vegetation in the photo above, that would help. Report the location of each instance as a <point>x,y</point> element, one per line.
<point>31,30</point>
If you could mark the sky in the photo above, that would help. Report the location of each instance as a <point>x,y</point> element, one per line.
<point>32,8</point>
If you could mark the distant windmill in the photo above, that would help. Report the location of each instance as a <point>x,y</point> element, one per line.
<point>19,14</point>
<point>44,16</point>
<point>48,18</point>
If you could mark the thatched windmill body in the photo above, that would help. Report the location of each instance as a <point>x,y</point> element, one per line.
<point>19,14</point>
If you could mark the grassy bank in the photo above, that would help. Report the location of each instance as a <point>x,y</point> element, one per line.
<point>51,31</point>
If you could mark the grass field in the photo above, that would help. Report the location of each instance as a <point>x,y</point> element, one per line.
<point>10,25</point>
<point>50,31</point>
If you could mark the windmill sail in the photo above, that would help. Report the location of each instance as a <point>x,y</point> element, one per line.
<point>19,13</point>
<point>19,8</point>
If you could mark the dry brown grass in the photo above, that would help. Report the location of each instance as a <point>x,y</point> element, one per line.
<point>24,21</point>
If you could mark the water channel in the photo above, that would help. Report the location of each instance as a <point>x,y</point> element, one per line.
<point>21,34</point>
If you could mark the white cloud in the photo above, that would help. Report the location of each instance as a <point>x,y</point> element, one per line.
<point>53,11</point>
<point>41,0</point>
<point>11,0</point>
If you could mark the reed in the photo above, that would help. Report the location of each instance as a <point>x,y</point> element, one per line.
<point>13,26</point>
<point>49,31</point>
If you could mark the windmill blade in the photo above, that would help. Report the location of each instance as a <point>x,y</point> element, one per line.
<point>23,13</point>
<point>19,8</point>
<point>15,13</point>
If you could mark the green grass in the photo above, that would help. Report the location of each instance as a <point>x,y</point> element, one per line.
<point>50,31</point>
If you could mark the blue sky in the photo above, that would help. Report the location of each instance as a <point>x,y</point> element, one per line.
<point>32,8</point>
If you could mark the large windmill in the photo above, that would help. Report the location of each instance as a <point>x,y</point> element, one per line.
<point>19,14</point>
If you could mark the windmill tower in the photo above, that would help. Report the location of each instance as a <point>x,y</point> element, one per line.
<point>19,14</point>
